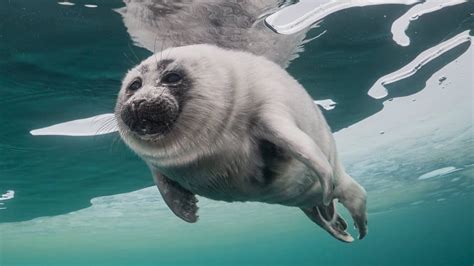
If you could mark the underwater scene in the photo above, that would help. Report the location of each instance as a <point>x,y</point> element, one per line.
<point>393,78</point>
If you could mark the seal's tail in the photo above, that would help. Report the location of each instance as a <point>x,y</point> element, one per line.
<point>353,197</point>
<point>328,218</point>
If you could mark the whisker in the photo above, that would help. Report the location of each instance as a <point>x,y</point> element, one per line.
<point>163,44</point>
<point>154,48</point>
<point>106,126</point>
<point>115,141</point>
<point>169,51</point>
<point>129,59</point>
<point>133,53</point>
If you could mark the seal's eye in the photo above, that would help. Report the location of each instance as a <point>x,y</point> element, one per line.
<point>171,78</point>
<point>135,85</point>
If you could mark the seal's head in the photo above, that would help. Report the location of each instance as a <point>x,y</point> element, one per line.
<point>152,98</point>
<point>173,96</point>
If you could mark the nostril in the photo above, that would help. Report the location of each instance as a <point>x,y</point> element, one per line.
<point>137,103</point>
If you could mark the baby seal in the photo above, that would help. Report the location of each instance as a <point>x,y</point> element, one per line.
<point>232,126</point>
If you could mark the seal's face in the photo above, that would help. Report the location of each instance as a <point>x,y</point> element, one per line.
<point>176,101</point>
<point>152,97</point>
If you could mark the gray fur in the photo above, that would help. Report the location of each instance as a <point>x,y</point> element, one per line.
<point>238,106</point>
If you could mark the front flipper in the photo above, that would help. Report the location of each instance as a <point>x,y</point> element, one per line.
<point>328,218</point>
<point>277,128</point>
<point>179,200</point>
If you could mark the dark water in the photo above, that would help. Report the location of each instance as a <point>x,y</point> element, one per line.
<point>59,63</point>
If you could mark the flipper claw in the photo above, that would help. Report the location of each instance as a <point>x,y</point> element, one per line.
<point>329,220</point>
<point>353,197</point>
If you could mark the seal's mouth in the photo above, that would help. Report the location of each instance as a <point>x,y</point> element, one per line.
<point>150,117</point>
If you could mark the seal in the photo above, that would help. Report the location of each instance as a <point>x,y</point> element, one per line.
<point>232,126</point>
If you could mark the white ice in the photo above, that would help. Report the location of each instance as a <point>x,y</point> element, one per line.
<point>66,3</point>
<point>97,125</point>
<point>378,90</point>
<point>10,194</point>
<point>438,172</point>
<point>400,25</point>
<point>327,104</point>
<point>304,13</point>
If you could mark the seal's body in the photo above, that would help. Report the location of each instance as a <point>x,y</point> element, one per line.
<point>232,126</point>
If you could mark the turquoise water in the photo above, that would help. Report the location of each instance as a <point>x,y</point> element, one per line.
<point>90,201</point>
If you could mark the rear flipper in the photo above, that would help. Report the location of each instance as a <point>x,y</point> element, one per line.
<point>353,197</point>
<point>328,218</point>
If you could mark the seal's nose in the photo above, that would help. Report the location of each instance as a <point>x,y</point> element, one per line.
<point>136,104</point>
<point>149,116</point>
<point>153,111</point>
